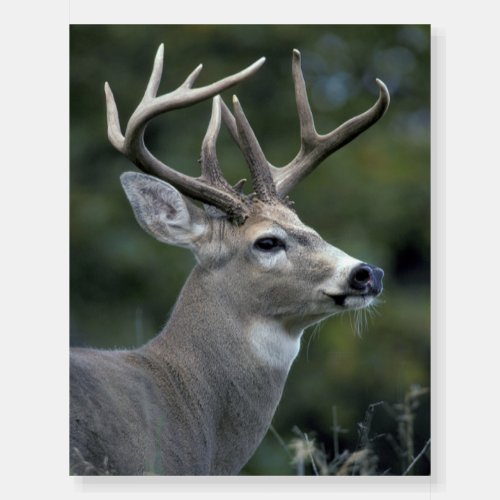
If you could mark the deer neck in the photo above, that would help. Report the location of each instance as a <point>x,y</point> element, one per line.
<point>235,366</point>
<point>210,318</point>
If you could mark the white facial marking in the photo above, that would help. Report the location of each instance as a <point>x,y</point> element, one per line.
<point>269,260</point>
<point>343,267</point>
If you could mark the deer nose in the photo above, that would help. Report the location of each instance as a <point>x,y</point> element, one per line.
<point>366,277</point>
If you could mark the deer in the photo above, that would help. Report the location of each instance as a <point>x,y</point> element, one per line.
<point>198,398</point>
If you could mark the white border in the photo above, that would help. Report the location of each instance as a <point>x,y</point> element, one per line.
<point>34,212</point>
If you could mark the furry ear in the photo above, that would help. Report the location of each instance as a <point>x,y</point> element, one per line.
<point>162,211</point>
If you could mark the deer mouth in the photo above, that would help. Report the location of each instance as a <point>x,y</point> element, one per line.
<point>338,299</point>
<point>353,300</point>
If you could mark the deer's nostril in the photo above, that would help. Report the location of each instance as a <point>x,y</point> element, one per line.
<point>360,277</point>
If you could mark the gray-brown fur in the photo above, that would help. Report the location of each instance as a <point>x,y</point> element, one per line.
<point>191,401</point>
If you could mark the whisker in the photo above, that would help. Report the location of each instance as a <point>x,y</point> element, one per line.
<point>315,331</point>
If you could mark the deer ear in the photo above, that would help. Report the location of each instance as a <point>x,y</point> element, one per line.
<point>162,211</point>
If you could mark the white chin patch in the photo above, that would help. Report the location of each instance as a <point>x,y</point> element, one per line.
<point>357,301</point>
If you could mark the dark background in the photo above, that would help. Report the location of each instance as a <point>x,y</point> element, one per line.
<point>371,199</point>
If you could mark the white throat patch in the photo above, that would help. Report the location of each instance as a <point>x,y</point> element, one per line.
<point>273,345</point>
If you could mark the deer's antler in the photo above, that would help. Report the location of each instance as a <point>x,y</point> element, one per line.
<point>314,147</point>
<point>271,184</point>
<point>210,187</point>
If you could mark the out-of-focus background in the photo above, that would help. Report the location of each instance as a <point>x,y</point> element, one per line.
<point>362,399</point>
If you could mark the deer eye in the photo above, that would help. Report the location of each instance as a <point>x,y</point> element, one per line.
<point>269,244</point>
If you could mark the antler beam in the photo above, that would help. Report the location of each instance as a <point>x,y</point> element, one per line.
<point>210,187</point>
<point>314,147</point>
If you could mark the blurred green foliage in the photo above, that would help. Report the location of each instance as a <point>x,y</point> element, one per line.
<point>371,199</point>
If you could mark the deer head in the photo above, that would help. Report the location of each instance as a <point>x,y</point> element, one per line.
<point>254,243</point>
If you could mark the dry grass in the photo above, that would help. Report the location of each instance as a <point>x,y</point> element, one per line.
<point>308,457</point>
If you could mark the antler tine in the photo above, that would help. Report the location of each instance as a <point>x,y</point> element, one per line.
<point>209,162</point>
<point>184,95</point>
<point>308,132</point>
<point>262,178</point>
<point>315,147</point>
<point>132,143</point>
<point>115,135</point>
<point>155,78</point>
<point>230,123</point>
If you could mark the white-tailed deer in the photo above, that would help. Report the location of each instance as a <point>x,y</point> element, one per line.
<point>200,396</point>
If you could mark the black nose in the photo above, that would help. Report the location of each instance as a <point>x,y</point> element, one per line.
<point>366,277</point>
